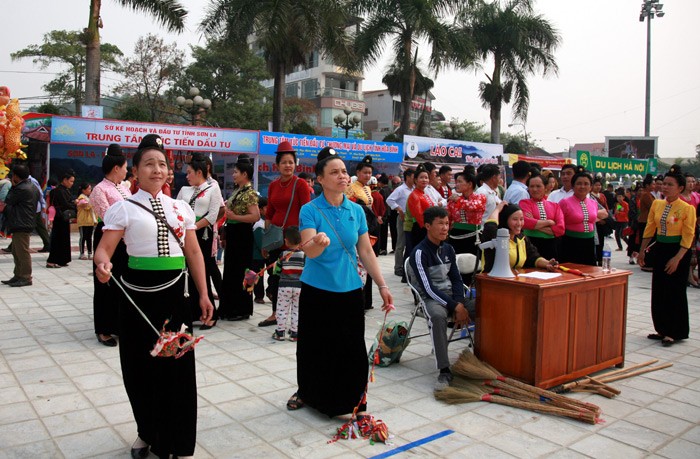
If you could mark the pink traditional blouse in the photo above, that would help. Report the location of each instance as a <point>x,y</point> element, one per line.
<point>541,209</point>
<point>105,194</point>
<point>579,216</point>
<point>467,210</point>
<point>694,199</point>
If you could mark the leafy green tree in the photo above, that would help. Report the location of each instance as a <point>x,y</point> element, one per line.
<point>67,48</point>
<point>230,77</point>
<point>285,31</point>
<point>519,43</point>
<point>170,13</point>
<point>150,72</point>
<point>404,23</point>
<point>297,115</point>
<point>47,107</point>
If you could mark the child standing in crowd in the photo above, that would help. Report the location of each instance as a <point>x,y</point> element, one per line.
<point>258,258</point>
<point>86,220</point>
<point>622,210</point>
<point>289,267</point>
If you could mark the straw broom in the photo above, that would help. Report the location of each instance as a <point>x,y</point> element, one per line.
<point>566,403</point>
<point>471,367</point>
<point>468,393</point>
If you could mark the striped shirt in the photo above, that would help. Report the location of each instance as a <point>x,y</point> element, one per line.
<point>290,270</point>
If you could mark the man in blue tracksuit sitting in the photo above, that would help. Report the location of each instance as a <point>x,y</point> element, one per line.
<point>435,274</point>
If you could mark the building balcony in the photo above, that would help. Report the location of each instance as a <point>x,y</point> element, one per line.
<point>341,93</point>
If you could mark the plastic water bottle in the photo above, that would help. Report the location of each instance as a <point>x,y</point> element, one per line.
<point>607,255</point>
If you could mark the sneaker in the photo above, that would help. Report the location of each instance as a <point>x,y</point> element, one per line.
<point>293,336</point>
<point>631,261</point>
<point>278,335</point>
<point>443,380</point>
<point>382,252</point>
<point>83,257</point>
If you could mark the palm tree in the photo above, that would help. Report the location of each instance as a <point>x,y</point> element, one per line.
<point>520,43</point>
<point>404,23</point>
<point>286,31</point>
<point>170,13</point>
<point>397,78</point>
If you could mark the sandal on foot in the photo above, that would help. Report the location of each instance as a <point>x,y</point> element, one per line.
<point>52,265</point>
<point>294,402</point>
<point>267,322</point>
<point>655,336</point>
<point>667,342</point>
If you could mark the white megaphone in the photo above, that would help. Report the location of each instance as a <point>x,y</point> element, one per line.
<point>501,262</point>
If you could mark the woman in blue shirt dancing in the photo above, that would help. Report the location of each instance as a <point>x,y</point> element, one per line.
<point>332,361</point>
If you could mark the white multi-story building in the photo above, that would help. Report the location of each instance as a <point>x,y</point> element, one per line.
<point>383,112</point>
<point>331,88</point>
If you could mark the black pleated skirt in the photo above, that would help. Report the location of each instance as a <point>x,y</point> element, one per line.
<point>107,298</point>
<point>578,250</point>
<point>162,390</point>
<point>547,248</point>
<point>332,365</point>
<point>233,299</point>
<point>205,245</point>
<point>669,299</point>
<point>60,241</point>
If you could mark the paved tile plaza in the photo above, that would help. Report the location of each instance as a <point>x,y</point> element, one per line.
<point>61,393</point>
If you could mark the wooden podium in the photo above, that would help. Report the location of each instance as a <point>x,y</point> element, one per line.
<point>548,332</point>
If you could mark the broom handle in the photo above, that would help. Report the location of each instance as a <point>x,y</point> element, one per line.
<point>636,373</point>
<point>630,368</point>
<point>602,385</point>
<point>562,402</point>
<point>517,394</point>
<point>584,381</point>
<point>589,418</point>
<point>551,395</point>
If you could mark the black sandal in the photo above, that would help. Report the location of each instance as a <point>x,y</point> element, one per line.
<point>655,336</point>
<point>667,342</point>
<point>294,403</point>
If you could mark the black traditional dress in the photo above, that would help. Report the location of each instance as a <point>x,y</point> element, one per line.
<point>61,200</point>
<point>162,390</point>
<point>234,301</point>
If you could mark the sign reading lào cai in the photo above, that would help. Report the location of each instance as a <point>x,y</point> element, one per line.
<point>618,166</point>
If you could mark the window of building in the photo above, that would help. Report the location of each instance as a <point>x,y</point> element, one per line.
<point>312,59</point>
<point>309,88</point>
<point>292,90</point>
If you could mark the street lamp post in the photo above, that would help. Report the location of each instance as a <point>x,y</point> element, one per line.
<point>454,130</point>
<point>569,142</point>
<point>195,106</point>
<point>346,122</point>
<point>650,8</point>
<point>524,130</point>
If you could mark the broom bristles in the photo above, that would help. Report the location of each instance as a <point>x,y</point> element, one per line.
<point>471,367</point>
<point>453,395</point>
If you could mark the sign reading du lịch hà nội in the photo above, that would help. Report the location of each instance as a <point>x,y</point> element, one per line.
<point>618,166</point>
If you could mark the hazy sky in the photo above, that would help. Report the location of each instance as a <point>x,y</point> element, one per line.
<point>599,90</point>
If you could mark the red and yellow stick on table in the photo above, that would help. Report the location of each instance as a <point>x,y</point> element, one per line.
<point>573,271</point>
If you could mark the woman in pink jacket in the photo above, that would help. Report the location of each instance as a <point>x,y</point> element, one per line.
<point>544,220</point>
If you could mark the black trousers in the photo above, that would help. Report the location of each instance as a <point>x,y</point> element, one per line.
<point>393,219</point>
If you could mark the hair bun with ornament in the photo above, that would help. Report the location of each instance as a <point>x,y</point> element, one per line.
<point>675,170</point>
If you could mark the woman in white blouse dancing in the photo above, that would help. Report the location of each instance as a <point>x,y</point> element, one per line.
<point>159,233</point>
